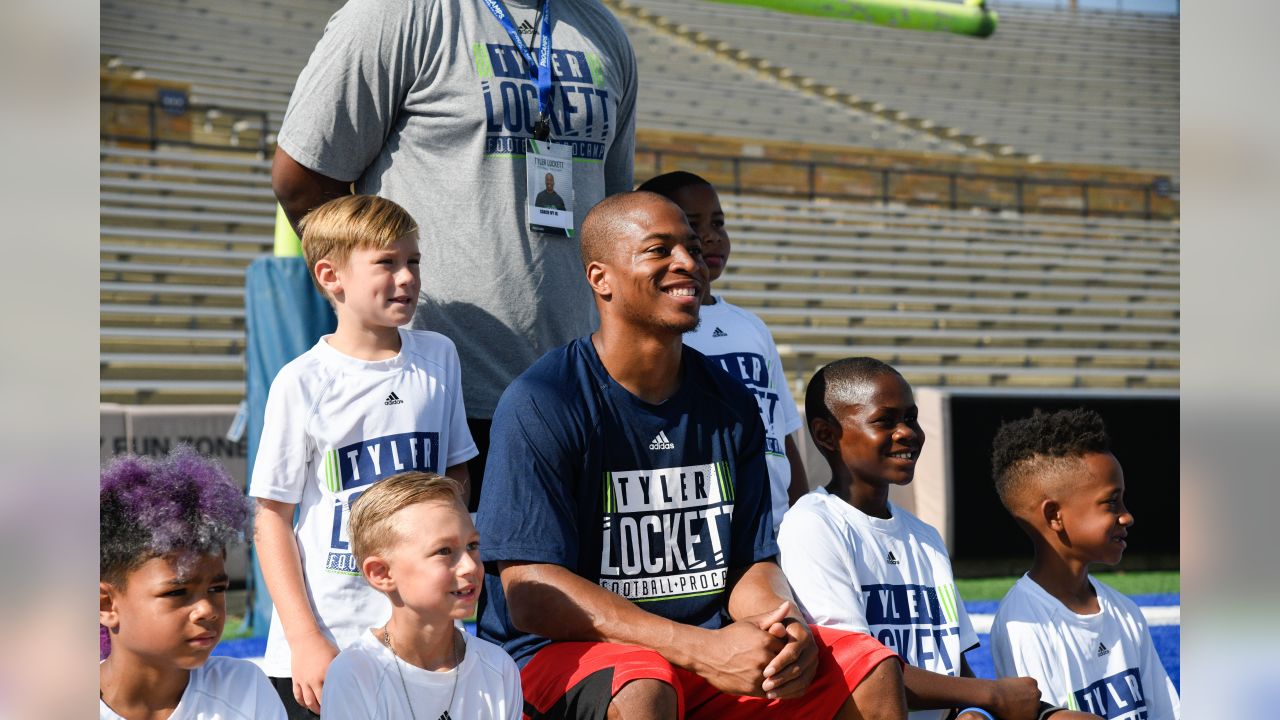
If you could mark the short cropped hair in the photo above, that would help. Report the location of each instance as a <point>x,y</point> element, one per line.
<point>349,223</point>
<point>668,184</point>
<point>841,383</point>
<point>151,507</point>
<point>372,531</point>
<point>607,221</point>
<point>1024,449</point>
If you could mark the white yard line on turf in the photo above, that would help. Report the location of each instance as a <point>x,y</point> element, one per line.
<point>1156,615</point>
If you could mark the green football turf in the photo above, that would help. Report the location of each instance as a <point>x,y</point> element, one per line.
<point>234,629</point>
<point>1129,583</point>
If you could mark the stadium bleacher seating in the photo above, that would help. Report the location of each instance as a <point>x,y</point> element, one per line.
<point>952,297</point>
<point>1069,86</point>
<point>178,230</point>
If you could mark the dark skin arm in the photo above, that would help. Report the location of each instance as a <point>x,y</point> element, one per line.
<point>300,189</point>
<point>1007,698</point>
<point>553,602</point>
<point>760,590</point>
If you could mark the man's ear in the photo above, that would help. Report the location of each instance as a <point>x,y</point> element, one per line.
<point>377,571</point>
<point>107,615</point>
<point>598,279</point>
<point>826,435</point>
<point>327,277</point>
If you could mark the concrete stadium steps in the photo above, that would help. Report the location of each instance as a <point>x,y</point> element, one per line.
<point>1066,86</point>
<point>685,87</point>
<point>959,298</point>
<point>239,53</point>
<point>1022,225</point>
<point>255,51</point>
<point>953,298</point>
<point>178,230</point>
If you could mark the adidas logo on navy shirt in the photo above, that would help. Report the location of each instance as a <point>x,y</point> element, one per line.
<point>393,399</point>
<point>719,333</point>
<point>660,442</point>
<point>1102,650</point>
<point>891,559</point>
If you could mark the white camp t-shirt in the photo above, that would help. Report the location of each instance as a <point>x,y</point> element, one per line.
<point>333,426</point>
<point>739,342</point>
<point>1103,663</point>
<point>363,682</point>
<point>222,689</point>
<point>888,578</point>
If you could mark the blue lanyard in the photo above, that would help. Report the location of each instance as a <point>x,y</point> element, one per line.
<point>542,75</point>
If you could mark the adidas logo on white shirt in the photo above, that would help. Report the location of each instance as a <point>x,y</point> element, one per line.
<point>393,399</point>
<point>660,442</point>
<point>891,559</point>
<point>719,333</point>
<point>1102,650</point>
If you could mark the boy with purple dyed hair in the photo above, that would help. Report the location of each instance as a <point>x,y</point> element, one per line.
<point>164,528</point>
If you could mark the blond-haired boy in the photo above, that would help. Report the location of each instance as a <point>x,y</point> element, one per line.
<point>416,544</point>
<point>369,401</point>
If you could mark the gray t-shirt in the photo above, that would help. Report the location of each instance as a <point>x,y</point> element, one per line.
<point>428,103</point>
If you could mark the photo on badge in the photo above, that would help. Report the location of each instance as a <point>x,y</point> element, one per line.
<point>550,184</point>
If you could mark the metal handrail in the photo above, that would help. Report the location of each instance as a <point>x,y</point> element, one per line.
<point>1158,187</point>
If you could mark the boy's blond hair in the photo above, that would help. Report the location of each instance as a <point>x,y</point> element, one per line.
<point>372,531</point>
<point>349,223</point>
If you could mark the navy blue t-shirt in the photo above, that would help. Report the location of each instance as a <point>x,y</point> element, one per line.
<point>657,503</point>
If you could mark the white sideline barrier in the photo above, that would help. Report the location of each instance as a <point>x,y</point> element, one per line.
<point>157,429</point>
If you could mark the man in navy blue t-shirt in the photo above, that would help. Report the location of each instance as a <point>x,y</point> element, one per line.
<point>626,529</point>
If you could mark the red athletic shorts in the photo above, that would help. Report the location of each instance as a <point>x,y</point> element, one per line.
<point>579,679</point>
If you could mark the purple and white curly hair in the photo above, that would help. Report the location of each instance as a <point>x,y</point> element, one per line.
<point>150,507</point>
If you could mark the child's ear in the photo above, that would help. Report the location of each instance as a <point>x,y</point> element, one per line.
<point>1051,511</point>
<point>377,571</point>
<point>826,435</point>
<point>327,276</point>
<point>107,615</point>
<point>598,279</point>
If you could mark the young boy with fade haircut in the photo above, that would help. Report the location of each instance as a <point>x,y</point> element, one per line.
<point>857,561</point>
<point>1086,645</point>
<point>414,542</point>
<point>164,528</point>
<point>738,341</point>
<point>365,403</point>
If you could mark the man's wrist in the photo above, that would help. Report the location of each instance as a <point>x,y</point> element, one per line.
<point>688,650</point>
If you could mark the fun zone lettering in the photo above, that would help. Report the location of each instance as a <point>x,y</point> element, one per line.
<point>666,532</point>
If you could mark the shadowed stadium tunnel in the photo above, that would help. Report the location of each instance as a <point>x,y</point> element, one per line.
<point>1144,438</point>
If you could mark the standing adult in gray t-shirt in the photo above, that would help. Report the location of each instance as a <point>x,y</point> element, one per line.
<point>429,103</point>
